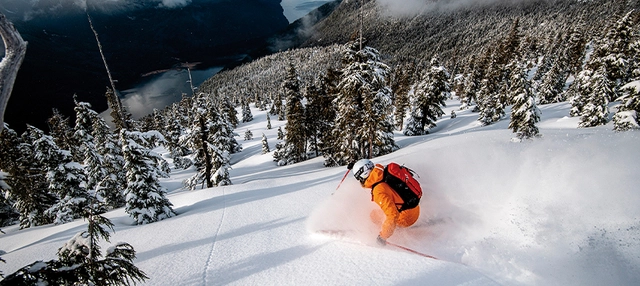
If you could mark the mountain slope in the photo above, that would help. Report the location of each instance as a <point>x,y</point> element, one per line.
<point>454,30</point>
<point>557,210</point>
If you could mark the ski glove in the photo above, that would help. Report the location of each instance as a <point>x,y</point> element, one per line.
<point>381,241</point>
<point>350,166</point>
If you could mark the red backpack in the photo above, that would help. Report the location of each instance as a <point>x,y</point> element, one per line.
<point>401,180</point>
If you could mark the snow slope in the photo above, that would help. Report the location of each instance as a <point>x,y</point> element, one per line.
<point>562,209</point>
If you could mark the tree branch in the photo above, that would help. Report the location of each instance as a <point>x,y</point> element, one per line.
<point>15,49</point>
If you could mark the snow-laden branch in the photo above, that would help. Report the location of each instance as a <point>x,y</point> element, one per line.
<point>15,49</point>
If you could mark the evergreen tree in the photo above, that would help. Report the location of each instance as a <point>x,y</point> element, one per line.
<point>8,214</point>
<point>174,130</point>
<point>212,140</point>
<point>489,104</point>
<point>575,51</point>
<point>246,113</point>
<point>226,108</point>
<point>323,110</point>
<point>280,133</point>
<point>198,140</point>
<point>146,200</point>
<point>616,52</point>
<point>60,130</point>
<point>363,126</point>
<point>626,118</point>
<point>550,90</point>
<point>159,122</point>
<point>524,113</point>
<point>295,140</point>
<point>66,179</point>
<point>468,97</point>
<point>265,145</point>
<point>110,186</point>
<point>27,177</point>
<point>222,142</point>
<point>248,135</point>
<point>596,111</point>
<point>634,62</point>
<point>400,87</point>
<point>121,118</point>
<point>315,120</point>
<point>268,122</point>
<point>429,95</point>
<point>80,261</point>
<point>277,108</point>
<point>579,91</point>
<point>282,112</point>
<point>86,148</point>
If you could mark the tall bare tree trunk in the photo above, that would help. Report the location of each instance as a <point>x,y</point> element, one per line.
<point>116,100</point>
<point>14,50</point>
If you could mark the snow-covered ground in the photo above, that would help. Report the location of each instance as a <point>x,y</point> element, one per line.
<point>563,209</point>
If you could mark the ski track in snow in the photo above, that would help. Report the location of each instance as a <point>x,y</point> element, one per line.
<point>215,239</point>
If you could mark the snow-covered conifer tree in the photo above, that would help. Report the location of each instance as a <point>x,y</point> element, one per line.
<point>146,200</point>
<point>226,108</point>
<point>8,214</point>
<point>248,135</point>
<point>280,133</point>
<point>363,128</point>
<point>111,185</point>
<point>550,90</point>
<point>268,121</point>
<point>246,113</point>
<point>174,130</point>
<point>524,113</point>
<point>428,97</point>
<point>66,179</point>
<point>211,139</point>
<point>295,140</point>
<point>401,87</point>
<point>626,118</point>
<point>81,262</point>
<point>489,104</point>
<point>27,177</point>
<point>579,91</point>
<point>86,146</point>
<point>60,130</point>
<point>265,144</point>
<point>596,111</point>
<point>468,96</point>
<point>615,52</point>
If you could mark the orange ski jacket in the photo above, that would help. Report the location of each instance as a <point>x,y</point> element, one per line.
<point>389,201</point>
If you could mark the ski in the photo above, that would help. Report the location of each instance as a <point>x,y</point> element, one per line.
<point>344,235</point>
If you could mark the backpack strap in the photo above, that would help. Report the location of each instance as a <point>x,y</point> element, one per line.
<point>384,180</point>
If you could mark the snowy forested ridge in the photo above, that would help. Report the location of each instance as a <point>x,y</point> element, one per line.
<point>530,176</point>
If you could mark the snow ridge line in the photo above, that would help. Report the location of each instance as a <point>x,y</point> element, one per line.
<point>215,239</point>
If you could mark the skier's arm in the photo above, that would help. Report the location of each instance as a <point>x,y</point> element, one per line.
<point>383,198</point>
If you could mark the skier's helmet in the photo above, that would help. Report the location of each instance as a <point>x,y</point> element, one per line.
<point>362,169</point>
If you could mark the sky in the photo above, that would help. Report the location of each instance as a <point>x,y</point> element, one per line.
<point>557,210</point>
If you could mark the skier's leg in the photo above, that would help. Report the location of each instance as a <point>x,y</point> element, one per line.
<point>408,217</point>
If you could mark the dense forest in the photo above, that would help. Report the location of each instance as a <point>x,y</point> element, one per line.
<point>342,98</point>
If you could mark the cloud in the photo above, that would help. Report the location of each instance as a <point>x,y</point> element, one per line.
<point>174,3</point>
<point>415,7</point>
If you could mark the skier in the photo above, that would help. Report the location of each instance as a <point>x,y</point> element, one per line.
<point>389,216</point>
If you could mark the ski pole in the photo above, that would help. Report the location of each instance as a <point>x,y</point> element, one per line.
<point>411,250</point>
<point>344,177</point>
